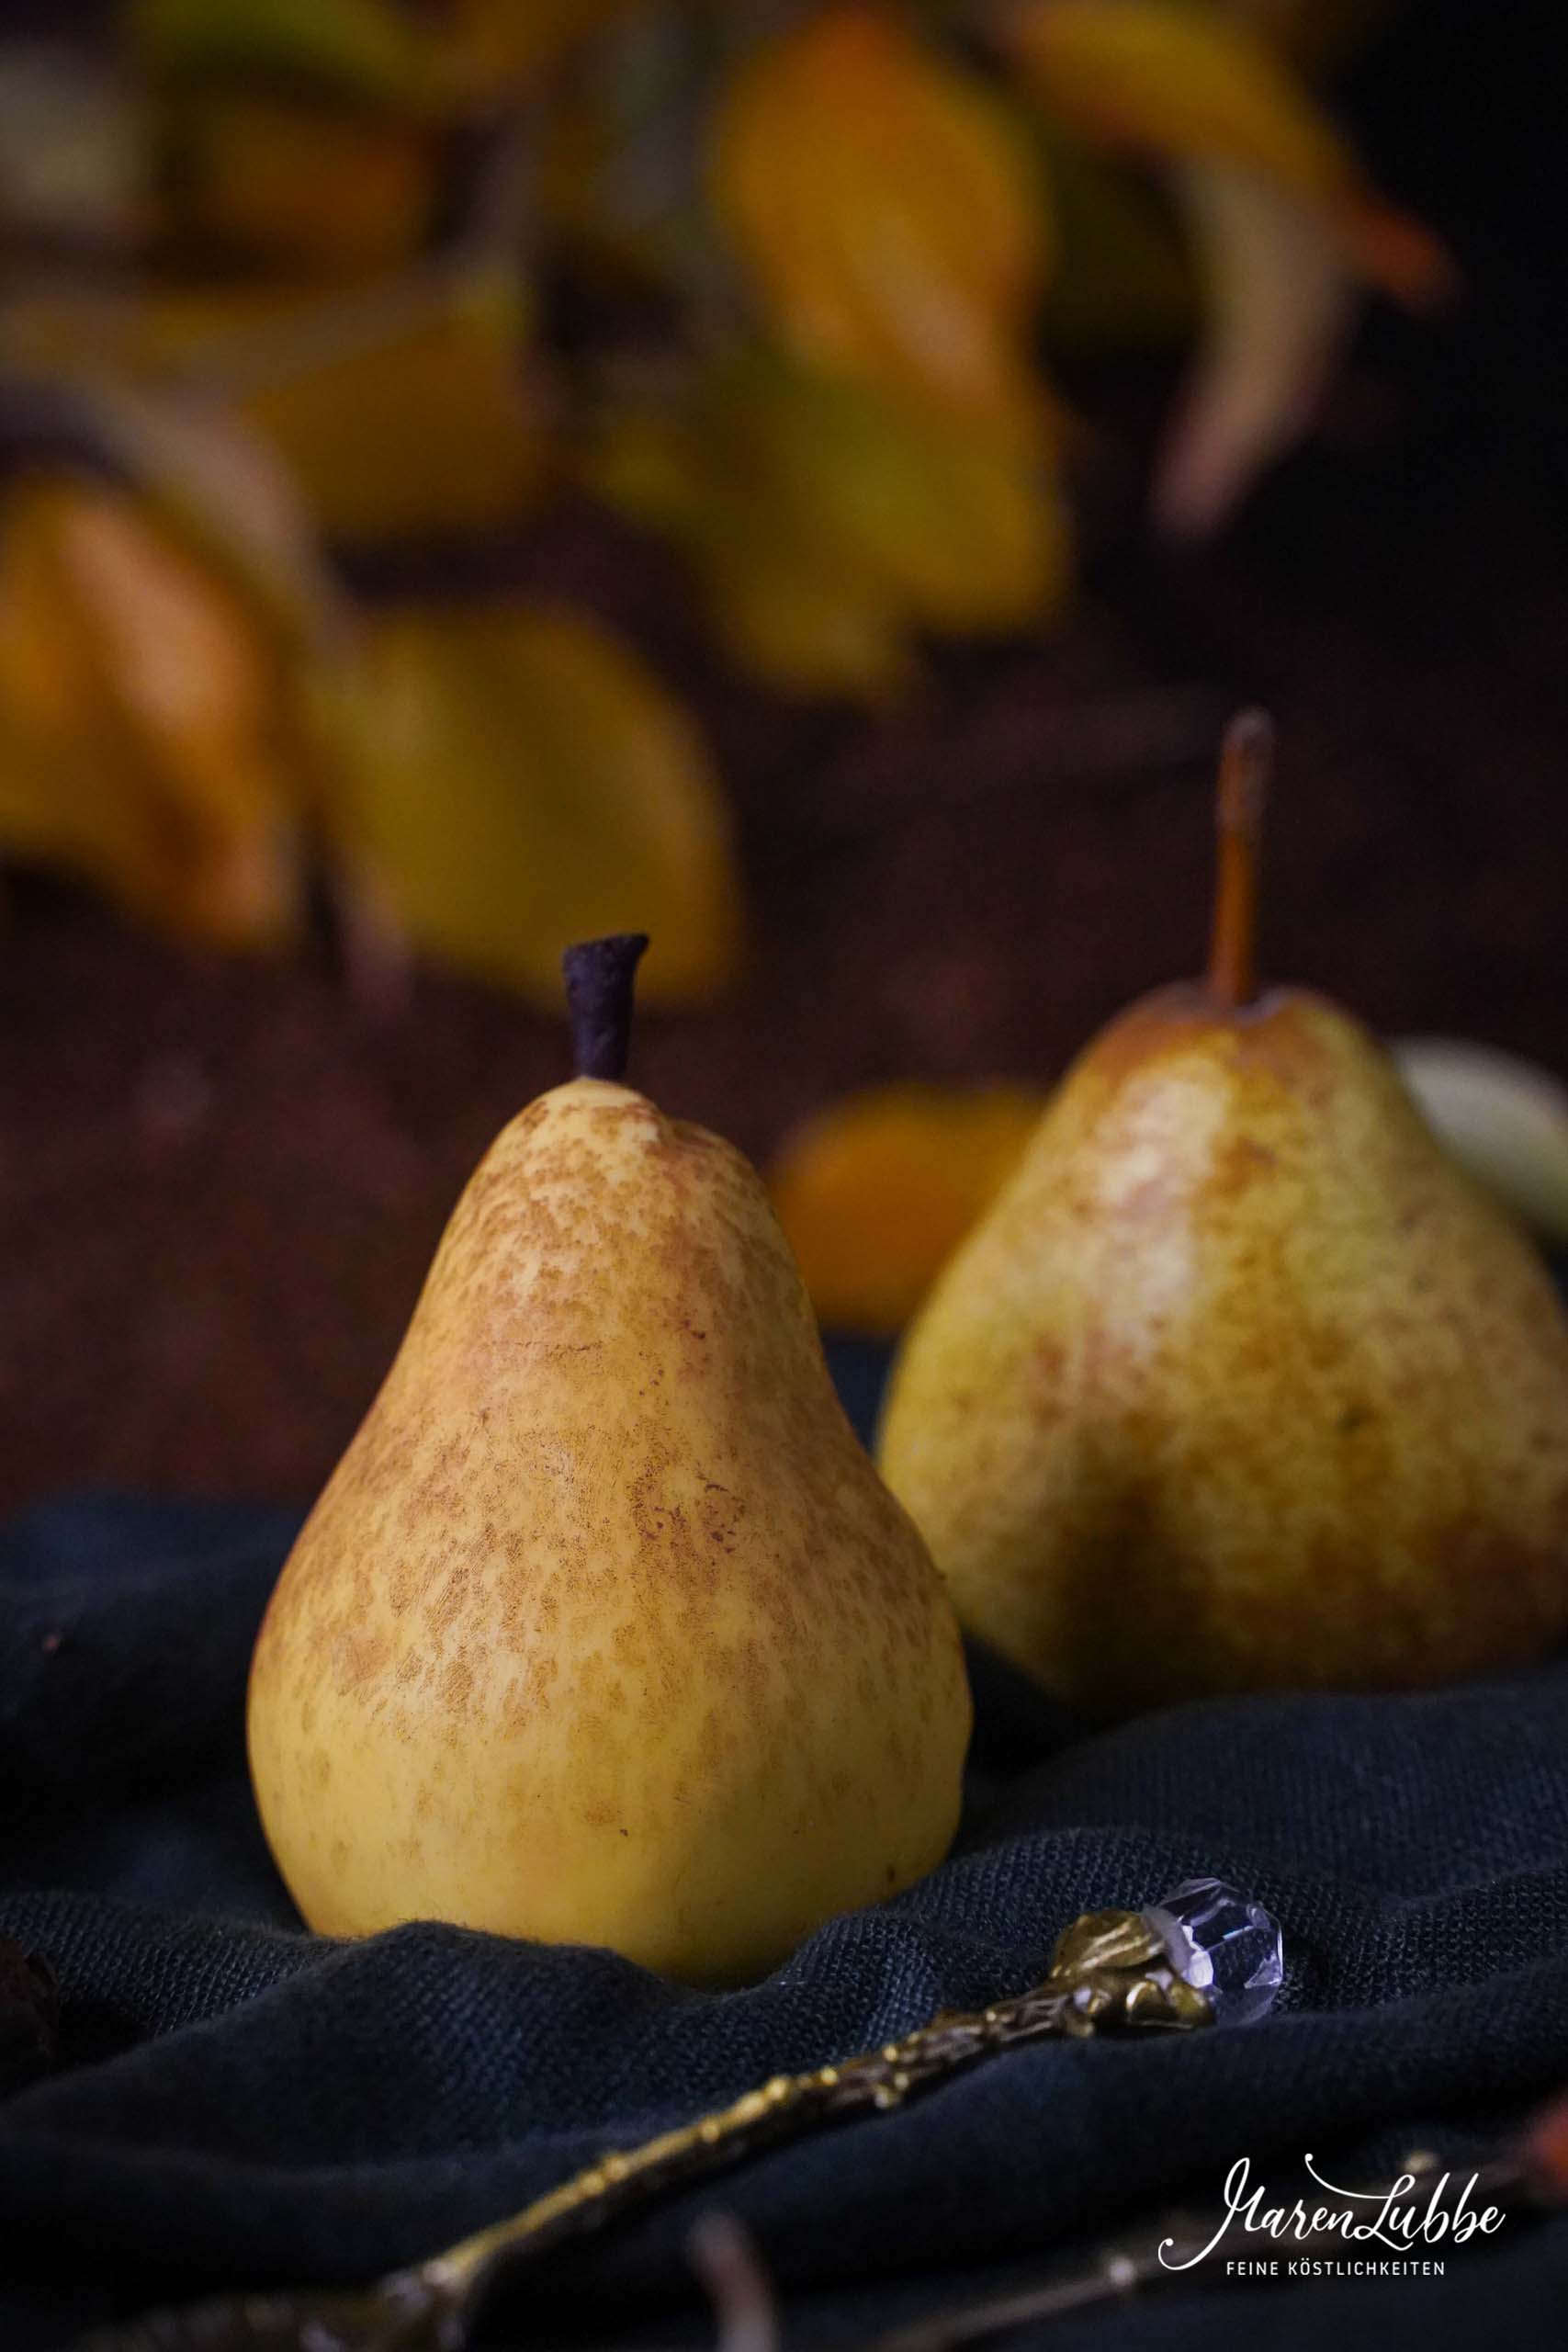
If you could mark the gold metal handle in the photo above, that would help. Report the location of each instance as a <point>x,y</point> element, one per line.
<point>1110,1969</point>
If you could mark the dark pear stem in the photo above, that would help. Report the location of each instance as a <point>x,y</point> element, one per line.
<point>601,975</point>
<point>1247,764</point>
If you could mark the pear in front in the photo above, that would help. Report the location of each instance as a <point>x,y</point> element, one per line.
<point>605,1628</point>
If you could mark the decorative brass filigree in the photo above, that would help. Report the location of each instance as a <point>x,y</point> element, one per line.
<point>1108,1973</point>
<point>1114,1970</point>
<point>1109,1970</point>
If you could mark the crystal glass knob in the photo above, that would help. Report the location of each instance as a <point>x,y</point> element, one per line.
<point>1224,1945</point>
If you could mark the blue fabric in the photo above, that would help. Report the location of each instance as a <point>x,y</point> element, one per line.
<point>242,2103</point>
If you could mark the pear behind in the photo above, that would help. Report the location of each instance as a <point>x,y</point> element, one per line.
<point>605,1628</point>
<point>1241,1382</point>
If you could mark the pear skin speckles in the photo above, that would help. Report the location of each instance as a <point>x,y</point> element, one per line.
<point>607,1622</point>
<point>1241,1383</point>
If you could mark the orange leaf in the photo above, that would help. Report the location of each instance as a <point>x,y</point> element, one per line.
<point>1167,79</point>
<point>884,207</point>
<point>877,1192</point>
<point>137,730</point>
<point>199,473</point>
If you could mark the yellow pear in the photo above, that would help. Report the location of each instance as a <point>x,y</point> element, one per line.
<point>605,1628</point>
<point>1241,1382</point>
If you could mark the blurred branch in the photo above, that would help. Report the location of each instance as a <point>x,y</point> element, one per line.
<point>722,2255</point>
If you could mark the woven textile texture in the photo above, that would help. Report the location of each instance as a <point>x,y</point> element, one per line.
<point>238,2103</point>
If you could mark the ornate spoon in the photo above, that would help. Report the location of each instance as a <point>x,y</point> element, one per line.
<point>1204,1955</point>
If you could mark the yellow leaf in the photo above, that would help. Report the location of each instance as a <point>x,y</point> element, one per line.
<point>302,134</point>
<point>829,523</point>
<point>525,780</point>
<point>884,207</point>
<point>1173,80</point>
<point>427,430</point>
<point>371,52</point>
<point>797,630</point>
<point>781,609</point>
<point>1279,301</point>
<point>138,701</point>
<point>955,522</point>
<point>877,1192</point>
<point>402,408</point>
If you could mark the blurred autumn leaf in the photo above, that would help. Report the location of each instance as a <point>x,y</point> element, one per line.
<point>198,472</point>
<point>525,780</point>
<point>302,134</point>
<point>885,205</point>
<point>412,418</point>
<point>370,52</point>
<point>829,523</point>
<point>774,283</point>
<point>876,1191</point>
<point>1279,296</point>
<point>499,780</point>
<point>1171,79</point>
<point>138,719</point>
<point>402,411</point>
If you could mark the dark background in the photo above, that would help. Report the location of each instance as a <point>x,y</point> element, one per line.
<point>220,1182</point>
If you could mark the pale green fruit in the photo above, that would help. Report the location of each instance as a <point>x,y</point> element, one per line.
<point>1503,1118</point>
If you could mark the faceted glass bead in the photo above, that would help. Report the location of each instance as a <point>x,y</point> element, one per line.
<point>1224,1945</point>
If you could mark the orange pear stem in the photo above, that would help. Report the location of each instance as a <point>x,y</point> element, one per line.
<point>1246,762</point>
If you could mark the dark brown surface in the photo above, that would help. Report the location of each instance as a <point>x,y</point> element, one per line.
<point>220,1184</point>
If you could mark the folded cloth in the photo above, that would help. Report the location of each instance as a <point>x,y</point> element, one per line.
<point>238,2103</point>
